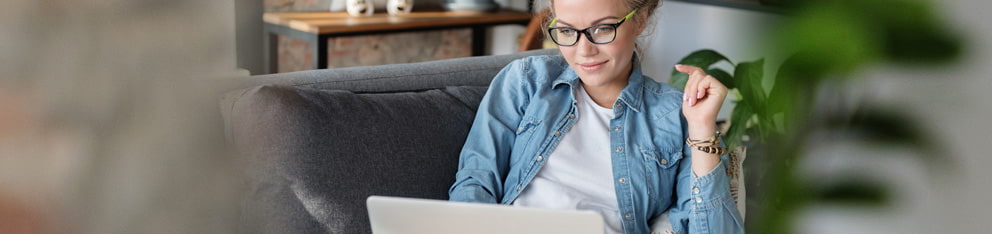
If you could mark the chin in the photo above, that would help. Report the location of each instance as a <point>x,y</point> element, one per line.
<point>594,79</point>
<point>597,78</point>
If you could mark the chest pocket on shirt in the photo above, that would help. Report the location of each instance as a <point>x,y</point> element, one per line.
<point>665,159</point>
<point>525,133</point>
<point>527,124</point>
<point>660,168</point>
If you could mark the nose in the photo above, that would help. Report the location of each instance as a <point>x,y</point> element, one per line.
<point>585,47</point>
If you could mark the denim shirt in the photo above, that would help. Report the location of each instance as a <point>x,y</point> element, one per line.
<point>530,106</point>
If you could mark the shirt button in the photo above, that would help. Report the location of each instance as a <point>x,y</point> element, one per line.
<point>623,180</point>
<point>664,161</point>
<point>557,133</point>
<point>699,200</point>
<point>539,158</point>
<point>628,216</point>
<point>695,190</point>
<point>619,149</point>
<point>617,128</point>
<point>519,187</point>
<point>571,116</point>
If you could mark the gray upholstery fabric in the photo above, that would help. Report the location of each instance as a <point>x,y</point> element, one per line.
<point>471,71</point>
<point>319,142</point>
<point>321,153</point>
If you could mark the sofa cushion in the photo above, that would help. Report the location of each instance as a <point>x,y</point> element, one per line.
<point>316,155</point>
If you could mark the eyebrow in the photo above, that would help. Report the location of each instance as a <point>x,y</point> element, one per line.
<point>599,20</point>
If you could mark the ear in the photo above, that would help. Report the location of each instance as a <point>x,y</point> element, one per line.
<point>642,22</point>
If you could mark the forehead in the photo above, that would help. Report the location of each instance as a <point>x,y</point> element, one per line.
<point>583,12</point>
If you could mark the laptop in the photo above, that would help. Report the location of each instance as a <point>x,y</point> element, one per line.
<point>394,215</point>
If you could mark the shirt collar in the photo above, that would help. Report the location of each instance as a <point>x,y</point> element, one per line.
<point>629,96</point>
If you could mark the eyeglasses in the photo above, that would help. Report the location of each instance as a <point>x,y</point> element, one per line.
<point>597,34</point>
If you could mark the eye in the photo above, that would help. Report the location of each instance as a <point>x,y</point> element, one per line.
<point>604,29</point>
<point>567,31</point>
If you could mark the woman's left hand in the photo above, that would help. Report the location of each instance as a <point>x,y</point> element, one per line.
<point>704,96</point>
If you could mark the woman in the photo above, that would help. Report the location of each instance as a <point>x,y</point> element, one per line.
<point>587,130</point>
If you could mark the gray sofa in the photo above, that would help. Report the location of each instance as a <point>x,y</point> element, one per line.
<point>319,142</point>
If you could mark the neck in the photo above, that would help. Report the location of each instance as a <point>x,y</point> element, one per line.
<point>606,95</point>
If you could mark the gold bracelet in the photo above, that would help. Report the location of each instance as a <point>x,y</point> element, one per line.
<point>712,141</point>
<point>715,140</point>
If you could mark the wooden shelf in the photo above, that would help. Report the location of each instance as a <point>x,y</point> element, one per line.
<point>316,28</point>
<point>342,23</point>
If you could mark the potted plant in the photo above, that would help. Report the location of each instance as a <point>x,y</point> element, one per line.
<point>829,42</point>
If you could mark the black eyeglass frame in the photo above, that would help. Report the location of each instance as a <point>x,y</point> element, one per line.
<point>586,32</point>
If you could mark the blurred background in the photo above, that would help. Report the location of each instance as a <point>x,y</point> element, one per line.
<point>109,115</point>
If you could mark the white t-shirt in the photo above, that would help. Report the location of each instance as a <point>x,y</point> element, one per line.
<point>578,174</point>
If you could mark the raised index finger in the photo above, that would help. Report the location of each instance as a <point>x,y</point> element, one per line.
<point>687,69</point>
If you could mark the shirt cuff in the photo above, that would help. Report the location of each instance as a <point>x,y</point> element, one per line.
<point>472,193</point>
<point>711,189</point>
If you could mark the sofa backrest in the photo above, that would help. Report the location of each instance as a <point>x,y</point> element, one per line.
<point>470,71</point>
<point>319,142</point>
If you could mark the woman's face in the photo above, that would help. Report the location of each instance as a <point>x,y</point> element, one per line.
<point>598,64</point>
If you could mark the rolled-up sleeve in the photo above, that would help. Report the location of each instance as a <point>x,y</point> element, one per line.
<point>484,159</point>
<point>704,203</point>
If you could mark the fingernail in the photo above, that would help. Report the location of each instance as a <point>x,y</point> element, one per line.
<point>685,97</point>
<point>699,94</point>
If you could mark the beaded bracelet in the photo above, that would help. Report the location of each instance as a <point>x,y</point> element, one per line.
<point>711,145</point>
<point>712,149</point>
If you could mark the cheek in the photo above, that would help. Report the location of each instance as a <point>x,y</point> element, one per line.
<point>626,42</point>
<point>568,53</point>
<point>620,50</point>
<point>626,38</point>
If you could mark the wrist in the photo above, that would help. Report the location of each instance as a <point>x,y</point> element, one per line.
<point>702,130</point>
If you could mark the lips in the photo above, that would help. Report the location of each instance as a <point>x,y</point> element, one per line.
<point>592,66</point>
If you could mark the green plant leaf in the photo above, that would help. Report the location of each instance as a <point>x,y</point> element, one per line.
<point>911,31</point>
<point>748,77</point>
<point>791,92</point>
<point>854,191</point>
<point>738,124</point>
<point>884,126</point>
<point>723,76</point>
<point>833,37</point>
<point>700,58</point>
<point>678,80</point>
<point>782,95</point>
